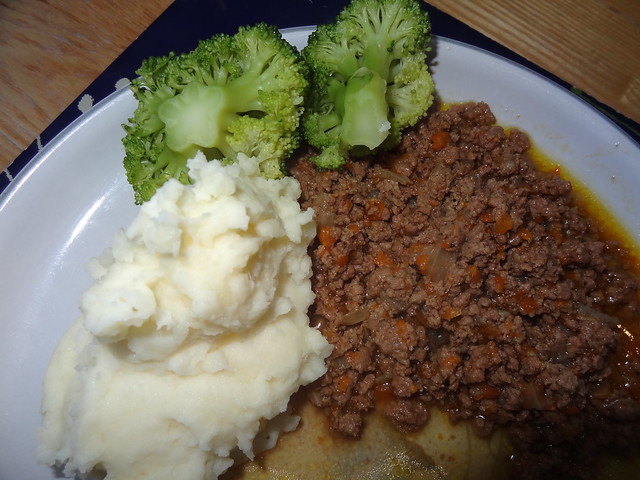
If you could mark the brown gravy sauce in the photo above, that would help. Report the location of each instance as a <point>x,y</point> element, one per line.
<point>628,253</point>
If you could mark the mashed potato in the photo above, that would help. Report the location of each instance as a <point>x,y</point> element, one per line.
<point>193,334</point>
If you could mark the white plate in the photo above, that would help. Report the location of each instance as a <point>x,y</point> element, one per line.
<point>64,207</point>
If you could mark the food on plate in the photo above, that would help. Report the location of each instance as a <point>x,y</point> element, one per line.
<point>192,337</point>
<point>232,94</point>
<point>369,77</point>
<point>470,320</point>
<point>451,272</point>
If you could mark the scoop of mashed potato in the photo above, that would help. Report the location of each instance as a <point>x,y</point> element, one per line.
<point>194,333</point>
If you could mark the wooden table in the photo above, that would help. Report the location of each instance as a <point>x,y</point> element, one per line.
<point>51,51</point>
<point>591,44</point>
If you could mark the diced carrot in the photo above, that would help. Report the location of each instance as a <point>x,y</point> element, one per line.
<point>449,312</point>
<point>427,286</point>
<point>474,274</point>
<point>451,360</point>
<point>416,248</point>
<point>498,284</point>
<point>327,236</point>
<point>353,357</point>
<point>342,260</point>
<point>383,394</point>
<point>525,234</point>
<point>504,223</point>
<point>491,392</point>
<point>484,392</point>
<point>401,164</point>
<point>561,304</point>
<point>343,383</point>
<point>374,209</point>
<point>488,330</point>
<point>344,204</point>
<point>556,233</point>
<point>383,259</point>
<point>526,303</point>
<point>439,140</point>
<point>422,263</point>
<point>485,217</point>
<point>510,330</point>
<point>402,327</point>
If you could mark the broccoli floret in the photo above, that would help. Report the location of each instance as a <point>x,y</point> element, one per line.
<point>232,94</point>
<point>369,79</point>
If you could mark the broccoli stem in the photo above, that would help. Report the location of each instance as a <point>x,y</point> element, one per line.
<point>365,120</point>
<point>201,114</point>
<point>193,116</point>
<point>172,164</point>
<point>376,57</point>
<point>244,92</point>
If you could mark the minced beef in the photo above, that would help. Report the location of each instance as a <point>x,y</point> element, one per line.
<point>452,272</point>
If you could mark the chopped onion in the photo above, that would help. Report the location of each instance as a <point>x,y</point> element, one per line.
<point>318,321</point>
<point>440,262</point>
<point>355,317</point>
<point>396,177</point>
<point>325,219</point>
<point>533,397</point>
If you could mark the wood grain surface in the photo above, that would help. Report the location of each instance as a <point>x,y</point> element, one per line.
<point>592,44</point>
<point>50,51</point>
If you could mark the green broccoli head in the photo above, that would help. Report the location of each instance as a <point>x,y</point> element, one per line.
<point>231,94</point>
<point>369,78</point>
